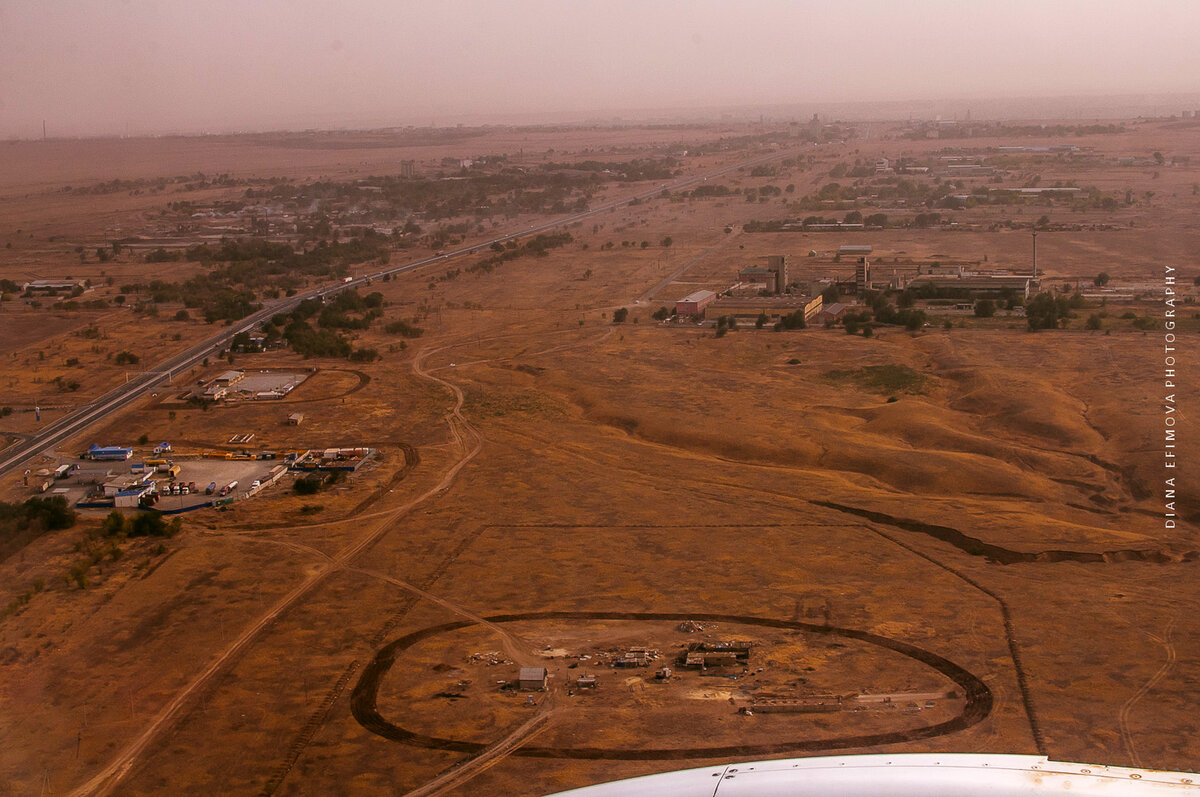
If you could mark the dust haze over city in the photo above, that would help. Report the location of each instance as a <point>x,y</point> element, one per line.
<point>477,398</point>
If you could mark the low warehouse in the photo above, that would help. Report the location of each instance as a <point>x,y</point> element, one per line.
<point>694,303</point>
<point>532,679</point>
<point>773,307</point>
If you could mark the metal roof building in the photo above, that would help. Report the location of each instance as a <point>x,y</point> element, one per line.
<point>105,453</point>
<point>532,679</point>
<point>694,303</point>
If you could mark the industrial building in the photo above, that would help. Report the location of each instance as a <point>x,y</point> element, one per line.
<point>53,287</point>
<point>777,265</point>
<point>773,277</point>
<point>756,275</point>
<point>856,250</point>
<point>773,307</point>
<point>694,303</point>
<point>229,377</point>
<point>985,286</point>
<point>108,453</point>
<point>862,275</point>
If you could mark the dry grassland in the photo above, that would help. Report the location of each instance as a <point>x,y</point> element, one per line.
<point>986,495</point>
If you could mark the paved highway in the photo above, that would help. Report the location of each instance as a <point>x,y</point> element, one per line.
<point>122,396</point>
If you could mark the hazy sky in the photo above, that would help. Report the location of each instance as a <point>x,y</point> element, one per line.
<point>135,66</point>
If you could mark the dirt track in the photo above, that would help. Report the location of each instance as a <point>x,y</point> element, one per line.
<point>978,697</point>
<point>105,781</point>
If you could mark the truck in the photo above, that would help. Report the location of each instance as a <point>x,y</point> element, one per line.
<point>212,488</point>
<point>229,488</point>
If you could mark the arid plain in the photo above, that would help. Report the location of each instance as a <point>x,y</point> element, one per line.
<point>967,516</point>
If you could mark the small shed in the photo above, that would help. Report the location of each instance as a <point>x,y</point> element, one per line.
<point>833,312</point>
<point>295,419</point>
<point>532,679</point>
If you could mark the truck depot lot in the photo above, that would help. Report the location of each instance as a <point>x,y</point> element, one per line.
<point>222,471</point>
<point>201,471</point>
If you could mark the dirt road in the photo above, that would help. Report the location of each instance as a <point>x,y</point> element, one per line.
<point>105,781</point>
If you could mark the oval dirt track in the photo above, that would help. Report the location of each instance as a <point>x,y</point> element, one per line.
<point>977,706</point>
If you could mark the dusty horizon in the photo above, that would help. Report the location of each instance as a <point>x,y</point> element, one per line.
<point>94,69</point>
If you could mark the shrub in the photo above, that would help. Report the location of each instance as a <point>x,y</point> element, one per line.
<point>308,485</point>
<point>403,329</point>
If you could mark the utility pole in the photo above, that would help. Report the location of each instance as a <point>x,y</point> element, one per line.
<point>1035,271</point>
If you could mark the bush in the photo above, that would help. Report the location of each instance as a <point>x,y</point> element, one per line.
<point>113,525</point>
<point>620,315</point>
<point>308,485</point>
<point>403,329</point>
<point>151,524</point>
